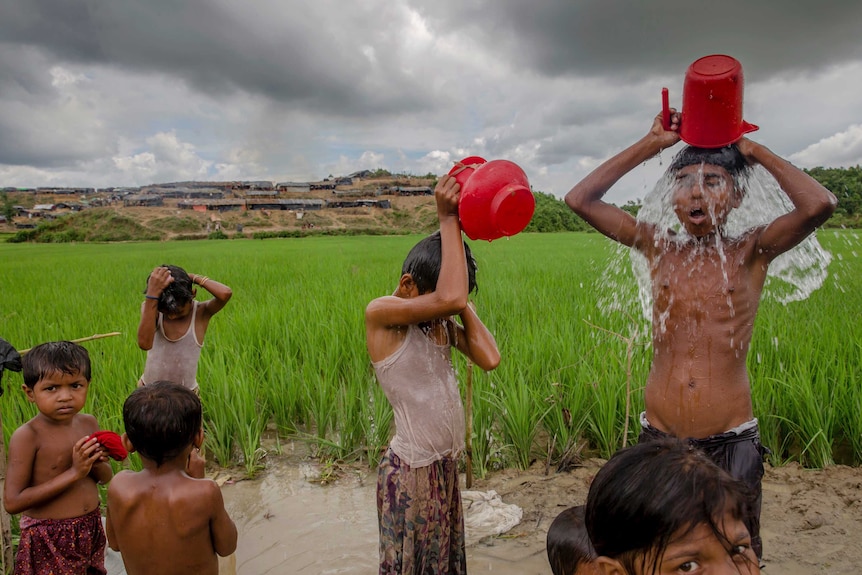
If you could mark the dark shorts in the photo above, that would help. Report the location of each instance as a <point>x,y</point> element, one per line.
<point>740,454</point>
<point>74,546</point>
<point>420,518</point>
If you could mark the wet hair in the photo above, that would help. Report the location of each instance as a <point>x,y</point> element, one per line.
<point>178,293</point>
<point>568,543</point>
<point>55,357</point>
<point>648,495</point>
<point>728,157</point>
<point>424,260</point>
<point>162,419</point>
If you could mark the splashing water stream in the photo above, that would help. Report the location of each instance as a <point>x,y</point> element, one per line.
<point>792,276</point>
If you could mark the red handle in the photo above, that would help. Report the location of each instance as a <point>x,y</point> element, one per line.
<point>665,109</point>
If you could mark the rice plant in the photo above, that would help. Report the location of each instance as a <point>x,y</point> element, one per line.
<point>290,347</point>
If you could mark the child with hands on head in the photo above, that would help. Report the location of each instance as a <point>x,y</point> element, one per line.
<point>55,465</point>
<point>173,324</point>
<point>409,336</point>
<point>706,288</point>
<point>162,519</point>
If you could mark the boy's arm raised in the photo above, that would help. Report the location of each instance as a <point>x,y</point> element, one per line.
<point>159,279</point>
<point>220,292</point>
<point>19,495</point>
<point>812,203</point>
<point>585,199</point>
<point>475,341</point>
<point>450,294</point>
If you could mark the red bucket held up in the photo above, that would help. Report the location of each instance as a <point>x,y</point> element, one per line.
<point>465,168</point>
<point>496,199</point>
<point>712,103</point>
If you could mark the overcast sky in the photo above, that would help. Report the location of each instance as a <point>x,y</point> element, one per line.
<point>131,92</point>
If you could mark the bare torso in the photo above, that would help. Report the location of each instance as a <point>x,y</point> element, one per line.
<point>162,522</point>
<point>705,298</point>
<point>53,455</point>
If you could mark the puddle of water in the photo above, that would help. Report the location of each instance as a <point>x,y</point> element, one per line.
<point>288,525</point>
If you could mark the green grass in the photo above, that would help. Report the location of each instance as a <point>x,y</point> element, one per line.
<point>289,349</point>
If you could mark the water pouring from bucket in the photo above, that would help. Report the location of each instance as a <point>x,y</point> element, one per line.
<point>712,94</point>
<point>496,199</point>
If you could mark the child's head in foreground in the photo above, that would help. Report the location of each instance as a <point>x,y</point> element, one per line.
<point>424,260</point>
<point>178,295</point>
<point>162,420</point>
<point>55,358</point>
<point>569,549</point>
<point>664,507</point>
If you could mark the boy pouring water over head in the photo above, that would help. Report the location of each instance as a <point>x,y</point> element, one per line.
<point>706,287</point>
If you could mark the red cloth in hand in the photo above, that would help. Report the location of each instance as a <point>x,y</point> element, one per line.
<point>112,443</point>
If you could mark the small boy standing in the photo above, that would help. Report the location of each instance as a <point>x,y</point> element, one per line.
<point>161,519</point>
<point>54,467</point>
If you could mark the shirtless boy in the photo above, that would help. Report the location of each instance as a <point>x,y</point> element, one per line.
<point>160,519</point>
<point>54,467</point>
<point>706,288</point>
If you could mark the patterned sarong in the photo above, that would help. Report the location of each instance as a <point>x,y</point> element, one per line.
<point>74,546</point>
<point>420,518</point>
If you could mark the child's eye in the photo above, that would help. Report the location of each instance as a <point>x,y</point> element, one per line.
<point>689,567</point>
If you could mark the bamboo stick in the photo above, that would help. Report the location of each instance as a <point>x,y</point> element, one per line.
<point>468,440</point>
<point>89,338</point>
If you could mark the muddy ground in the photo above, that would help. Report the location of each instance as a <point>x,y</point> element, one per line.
<point>291,523</point>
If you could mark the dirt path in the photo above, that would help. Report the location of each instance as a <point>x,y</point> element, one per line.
<point>812,520</point>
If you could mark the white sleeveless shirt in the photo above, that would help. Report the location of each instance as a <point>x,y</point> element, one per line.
<point>419,381</point>
<point>174,360</point>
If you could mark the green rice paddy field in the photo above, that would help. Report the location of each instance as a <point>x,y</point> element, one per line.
<point>288,352</point>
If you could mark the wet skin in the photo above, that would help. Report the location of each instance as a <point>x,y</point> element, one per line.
<point>706,290</point>
<point>706,287</point>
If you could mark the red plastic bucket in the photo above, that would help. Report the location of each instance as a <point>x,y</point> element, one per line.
<point>464,169</point>
<point>496,201</point>
<point>712,103</point>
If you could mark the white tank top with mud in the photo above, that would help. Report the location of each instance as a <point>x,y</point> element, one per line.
<point>419,381</point>
<point>174,360</point>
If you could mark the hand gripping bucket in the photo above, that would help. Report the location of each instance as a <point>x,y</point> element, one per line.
<point>712,103</point>
<point>496,199</point>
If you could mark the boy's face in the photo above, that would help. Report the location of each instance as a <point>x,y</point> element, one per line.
<point>181,313</point>
<point>703,195</point>
<point>700,550</point>
<point>59,396</point>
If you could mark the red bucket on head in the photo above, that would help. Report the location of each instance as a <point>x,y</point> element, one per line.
<point>496,201</point>
<point>712,103</point>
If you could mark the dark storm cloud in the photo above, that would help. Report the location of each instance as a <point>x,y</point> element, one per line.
<point>34,139</point>
<point>306,54</point>
<point>626,38</point>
